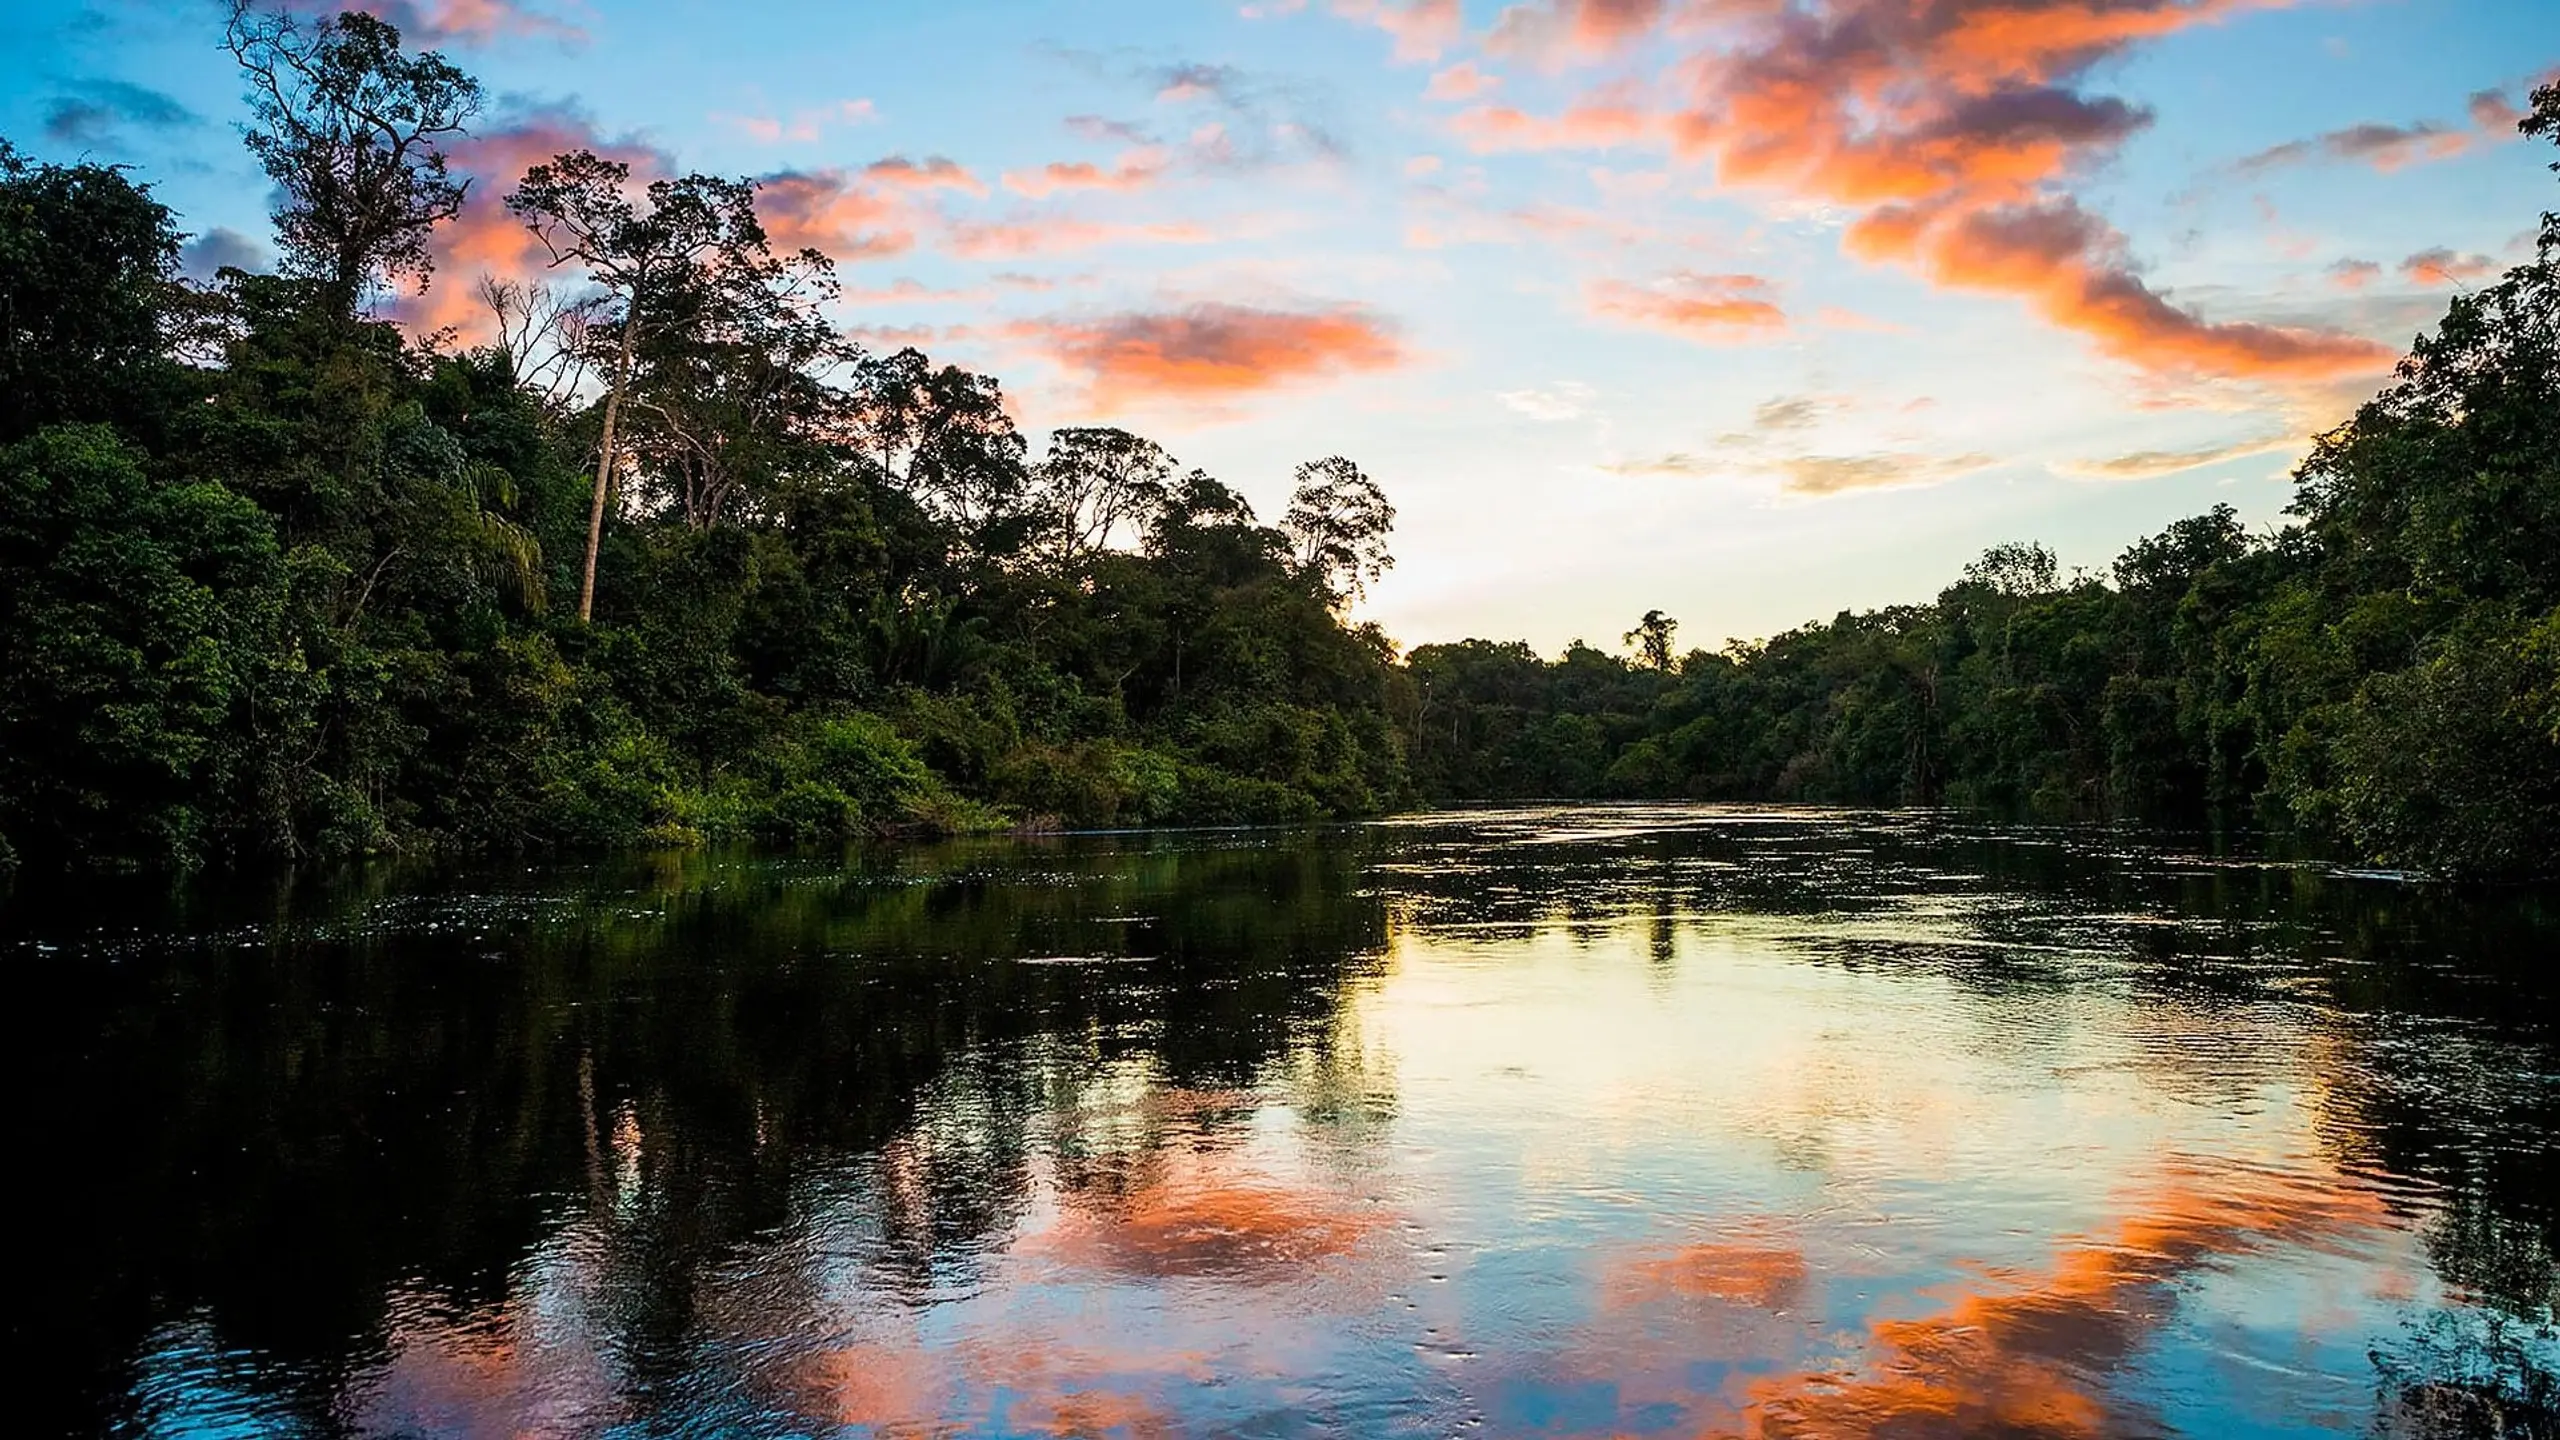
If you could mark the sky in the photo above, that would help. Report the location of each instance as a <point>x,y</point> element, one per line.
<point>1744,310</point>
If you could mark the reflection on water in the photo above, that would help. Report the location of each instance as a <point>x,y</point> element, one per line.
<point>1579,1122</point>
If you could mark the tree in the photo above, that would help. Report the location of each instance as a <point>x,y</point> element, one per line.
<point>726,407</point>
<point>86,257</point>
<point>696,235</point>
<point>1100,485</point>
<point>2016,569</point>
<point>351,130</point>
<point>943,435</point>
<point>1651,640</point>
<point>1337,522</point>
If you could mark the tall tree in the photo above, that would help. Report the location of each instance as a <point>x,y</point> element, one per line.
<point>351,129</point>
<point>1098,486</point>
<point>741,397</point>
<point>1651,640</point>
<point>1338,520</point>
<point>664,261</point>
<point>943,435</point>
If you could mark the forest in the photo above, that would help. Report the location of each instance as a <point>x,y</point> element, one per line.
<point>676,561</point>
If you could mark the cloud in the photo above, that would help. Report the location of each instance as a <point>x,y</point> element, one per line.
<point>220,248</point>
<point>851,215</point>
<point>2384,147</point>
<point>1953,128</point>
<point>95,109</point>
<point>1096,127</point>
<point>804,126</point>
<point>1569,400</point>
<point>472,22</point>
<point>1421,29</point>
<point>1573,29</point>
<point>1793,412</point>
<point>1215,351</point>
<point>1465,80</point>
<point>2024,1354</point>
<point>908,291</point>
<point>1136,170</point>
<point>2440,266</point>
<point>484,239</point>
<point>1265,121</point>
<point>1719,308</point>
<point>934,172</point>
<point>1013,239</point>
<point>1818,475</point>
<point>1682,464</point>
<point>2353,274</point>
<point>1599,122</point>
<point>2152,464</point>
<point>2070,268</point>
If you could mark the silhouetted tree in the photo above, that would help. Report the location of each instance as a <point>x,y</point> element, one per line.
<point>351,129</point>
<point>1338,520</point>
<point>692,241</point>
<point>1651,640</point>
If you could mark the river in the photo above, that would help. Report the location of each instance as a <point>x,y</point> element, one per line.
<point>1590,1122</point>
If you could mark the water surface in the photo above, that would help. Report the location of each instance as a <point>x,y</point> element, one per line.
<point>1575,1122</point>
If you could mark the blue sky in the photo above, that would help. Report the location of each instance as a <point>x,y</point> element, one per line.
<point>1743,310</point>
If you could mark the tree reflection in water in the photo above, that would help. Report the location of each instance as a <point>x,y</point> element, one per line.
<point>1258,1132</point>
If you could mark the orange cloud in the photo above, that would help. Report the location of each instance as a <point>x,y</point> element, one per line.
<point>1953,127</point>
<point>836,212</point>
<point>1213,352</point>
<point>1134,171</point>
<point>934,172</point>
<point>1720,308</point>
<point>1422,29</point>
<point>2068,265</point>
<point>2024,1361</point>
<point>1598,123</point>
<point>1563,29</point>
<point>2353,274</point>
<point>1230,1229</point>
<point>2440,266</point>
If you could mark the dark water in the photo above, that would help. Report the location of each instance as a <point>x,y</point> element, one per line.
<point>1634,1122</point>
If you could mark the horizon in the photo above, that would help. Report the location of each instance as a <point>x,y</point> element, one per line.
<point>1611,336</point>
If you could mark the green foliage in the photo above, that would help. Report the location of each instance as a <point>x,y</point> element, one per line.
<point>275,581</point>
<point>314,595</point>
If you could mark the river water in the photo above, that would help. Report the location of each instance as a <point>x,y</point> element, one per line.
<point>1593,1122</point>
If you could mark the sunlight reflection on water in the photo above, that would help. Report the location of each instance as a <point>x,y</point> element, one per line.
<point>1647,1121</point>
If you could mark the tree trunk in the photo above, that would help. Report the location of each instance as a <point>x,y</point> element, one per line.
<point>604,464</point>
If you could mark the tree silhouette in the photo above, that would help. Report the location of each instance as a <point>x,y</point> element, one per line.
<point>351,130</point>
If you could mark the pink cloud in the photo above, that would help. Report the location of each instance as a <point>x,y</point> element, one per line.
<point>472,22</point>
<point>1005,240</point>
<point>1136,170</point>
<point>1465,80</point>
<point>1421,29</point>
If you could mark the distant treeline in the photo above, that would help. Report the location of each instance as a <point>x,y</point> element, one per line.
<point>2381,676</point>
<point>673,560</point>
